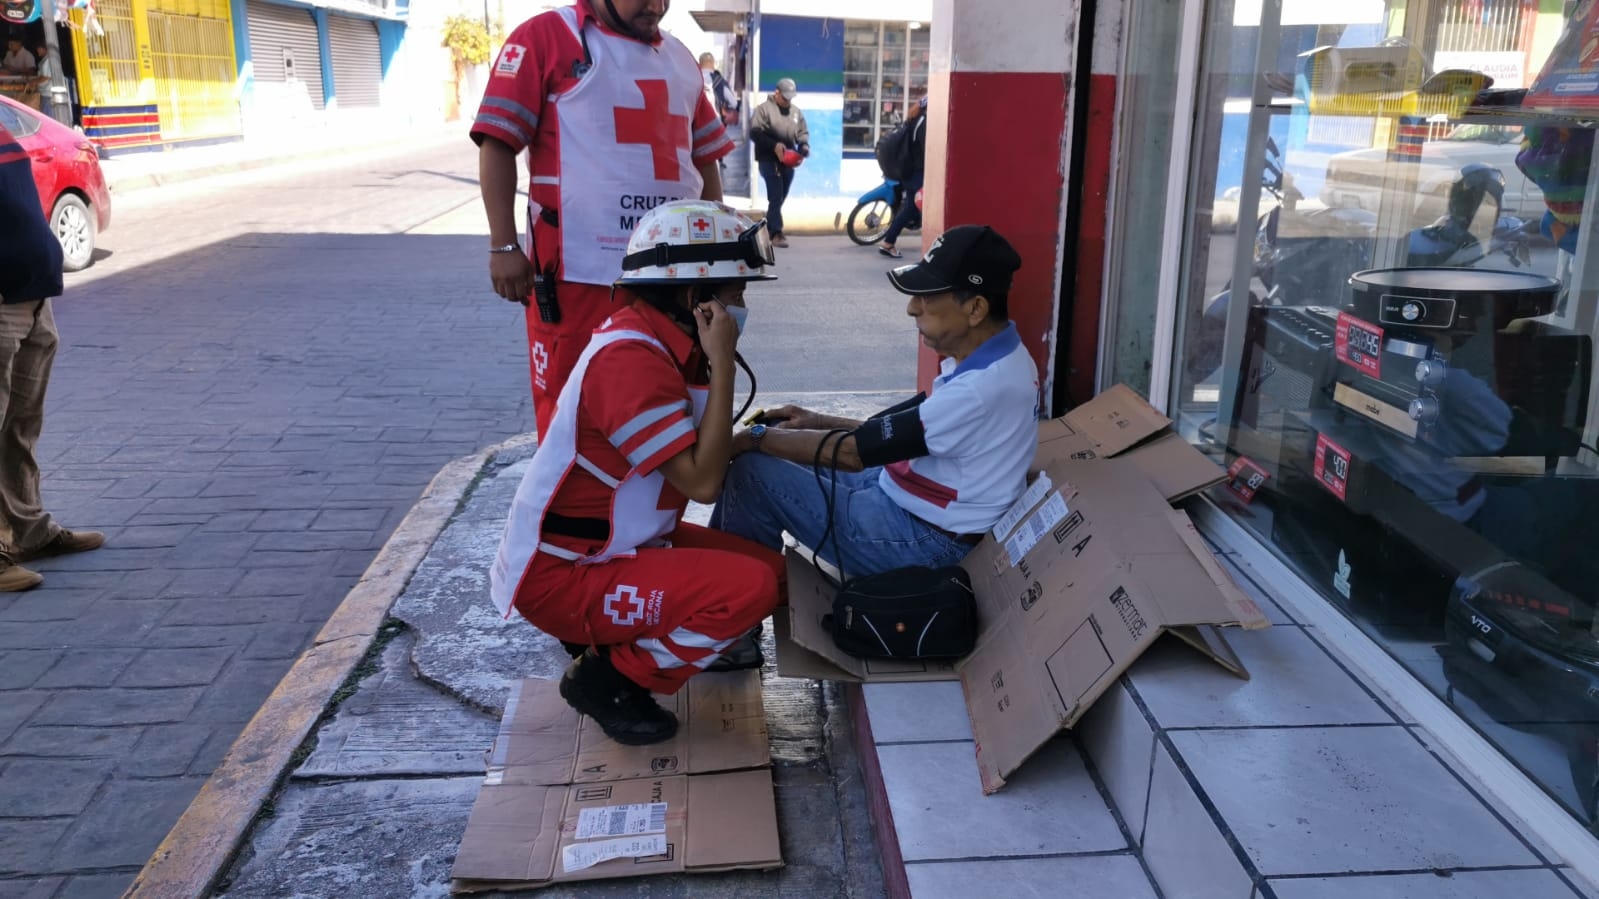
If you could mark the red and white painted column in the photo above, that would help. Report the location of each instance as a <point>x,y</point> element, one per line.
<point>998,147</point>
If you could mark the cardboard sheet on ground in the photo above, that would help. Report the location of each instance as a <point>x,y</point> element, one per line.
<point>1090,567</point>
<point>561,802</point>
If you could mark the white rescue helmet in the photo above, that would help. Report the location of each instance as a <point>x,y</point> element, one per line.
<point>685,241</point>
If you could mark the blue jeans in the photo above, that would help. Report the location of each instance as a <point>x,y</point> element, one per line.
<point>763,497</point>
<point>778,177</point>
<point>907,209</point>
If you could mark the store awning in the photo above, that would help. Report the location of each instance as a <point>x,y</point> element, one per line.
<point>713,21</point>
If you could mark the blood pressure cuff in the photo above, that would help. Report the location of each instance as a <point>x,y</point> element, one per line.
<point>892,435</point>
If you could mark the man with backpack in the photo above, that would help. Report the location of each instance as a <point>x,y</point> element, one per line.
<point>907,146</point>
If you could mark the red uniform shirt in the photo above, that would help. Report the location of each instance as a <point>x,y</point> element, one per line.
<point>540,62</point>
<point>634,413</point>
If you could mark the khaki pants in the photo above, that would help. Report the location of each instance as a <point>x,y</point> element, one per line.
<point>27,351</point>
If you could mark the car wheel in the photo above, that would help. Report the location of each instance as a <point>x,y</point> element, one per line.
<point>74,227</point>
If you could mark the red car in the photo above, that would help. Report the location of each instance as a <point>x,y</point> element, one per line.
<point>66,169</point>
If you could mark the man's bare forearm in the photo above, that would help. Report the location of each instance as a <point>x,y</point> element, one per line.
<point>496,164</point>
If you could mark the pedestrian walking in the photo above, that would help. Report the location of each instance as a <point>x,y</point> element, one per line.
<point>781,142</point>
<point>30,274</point>
<point>913,167</point>
<point>614,117</point>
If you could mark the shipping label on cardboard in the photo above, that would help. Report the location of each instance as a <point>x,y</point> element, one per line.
<point>621,820</point>
<point>580,856</point>
<point>1021,507</point>
<point>1027,535</point>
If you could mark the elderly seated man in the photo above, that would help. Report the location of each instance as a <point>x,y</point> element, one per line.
<point>919,483</point>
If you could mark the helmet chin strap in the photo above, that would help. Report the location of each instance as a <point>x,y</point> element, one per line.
<point>621,25</point>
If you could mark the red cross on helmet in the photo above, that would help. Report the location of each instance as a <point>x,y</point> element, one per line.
<point>696,240</point>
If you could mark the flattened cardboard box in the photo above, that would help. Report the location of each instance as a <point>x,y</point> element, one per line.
<point>562,802</point>
<point>1119,423</point>
<point>1093,567</point>
<point>805,647</point>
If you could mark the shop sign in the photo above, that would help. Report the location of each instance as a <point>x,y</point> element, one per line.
<point>19,11</point>
<point>1332,466</point>
<point>1358,344</point>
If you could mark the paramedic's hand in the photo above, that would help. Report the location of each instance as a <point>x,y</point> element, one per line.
<point>795,418</point>
<point>512,276</point>
<point>718,334</point>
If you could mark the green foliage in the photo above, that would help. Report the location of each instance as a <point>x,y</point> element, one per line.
<point>467,39</point>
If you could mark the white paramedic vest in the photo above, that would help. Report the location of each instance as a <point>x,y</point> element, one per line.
<point>629,123</point>
<point>636,518</point>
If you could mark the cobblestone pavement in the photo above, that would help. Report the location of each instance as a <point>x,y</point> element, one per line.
<point>254,385</point>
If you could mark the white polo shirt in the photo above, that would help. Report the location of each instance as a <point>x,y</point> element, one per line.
<point>981,427</point>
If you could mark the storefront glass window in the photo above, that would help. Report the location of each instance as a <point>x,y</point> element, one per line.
<point>885,69</point>
<point>1385,330</point>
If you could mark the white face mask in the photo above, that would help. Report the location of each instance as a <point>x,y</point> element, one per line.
<point>740,314</point>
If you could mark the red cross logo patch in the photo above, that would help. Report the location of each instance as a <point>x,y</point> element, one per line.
<point>654,233</point>
<point>510,60</point>
<point>634,605</point>
<point>701,230</point>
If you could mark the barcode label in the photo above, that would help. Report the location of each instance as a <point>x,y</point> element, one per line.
<point>621,820</point>
<point>1021,507</point>
<point>1033,529</point>
<point>587,855</point>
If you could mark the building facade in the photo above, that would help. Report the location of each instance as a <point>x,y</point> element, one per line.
<point>151,73</point>
<point>857,70</point>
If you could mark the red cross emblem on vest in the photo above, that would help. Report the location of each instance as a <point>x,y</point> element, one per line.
<point>654,125</point>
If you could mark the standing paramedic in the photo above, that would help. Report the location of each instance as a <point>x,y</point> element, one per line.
<point>614,117</point>
<point>595,551</point>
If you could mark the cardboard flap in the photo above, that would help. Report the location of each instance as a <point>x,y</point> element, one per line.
<point>513,834</point>
<point>1237,608</point>
<point>1175,468</point>
<point>1117,420</point>
<point>1209,640</point>
<point>734,821</point>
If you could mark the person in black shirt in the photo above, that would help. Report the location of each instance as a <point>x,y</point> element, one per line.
<point>30,274</point>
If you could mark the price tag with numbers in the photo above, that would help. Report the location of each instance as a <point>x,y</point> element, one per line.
<point>1244,478</point>
<point>1332,466</point>
<point>1358,344</point>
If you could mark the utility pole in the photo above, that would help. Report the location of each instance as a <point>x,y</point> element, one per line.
<point>56,91</point>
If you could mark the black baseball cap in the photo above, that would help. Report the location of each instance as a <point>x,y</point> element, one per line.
<point>969,257</point>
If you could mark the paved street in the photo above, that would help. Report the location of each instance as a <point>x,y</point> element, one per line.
<point>254,385</point>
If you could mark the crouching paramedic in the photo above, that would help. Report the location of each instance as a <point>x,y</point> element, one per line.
<point>917,484</point>
<point>595,551</point>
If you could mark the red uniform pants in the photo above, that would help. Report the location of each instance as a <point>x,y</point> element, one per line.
<point>553,350</point>
<point>665,613</point>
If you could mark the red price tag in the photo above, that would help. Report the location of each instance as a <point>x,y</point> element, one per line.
<point>1244,477</point>
<point>1332,466</point>
<point>1358,344</point>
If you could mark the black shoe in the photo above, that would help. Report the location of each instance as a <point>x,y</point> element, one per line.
<point>744,654</point>
<point>624,710</point>
<point>574,649</point>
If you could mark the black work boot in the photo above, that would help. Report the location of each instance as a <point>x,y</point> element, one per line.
<point>624,710</point>
<point>574,649</point>
<point>744,654</point>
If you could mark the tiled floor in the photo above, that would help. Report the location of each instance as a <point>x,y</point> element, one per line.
<point>1184,781</point>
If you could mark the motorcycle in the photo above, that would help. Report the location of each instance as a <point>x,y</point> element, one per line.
<point>873,213</point>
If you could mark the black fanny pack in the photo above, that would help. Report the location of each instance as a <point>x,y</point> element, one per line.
<point>906,614</point>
